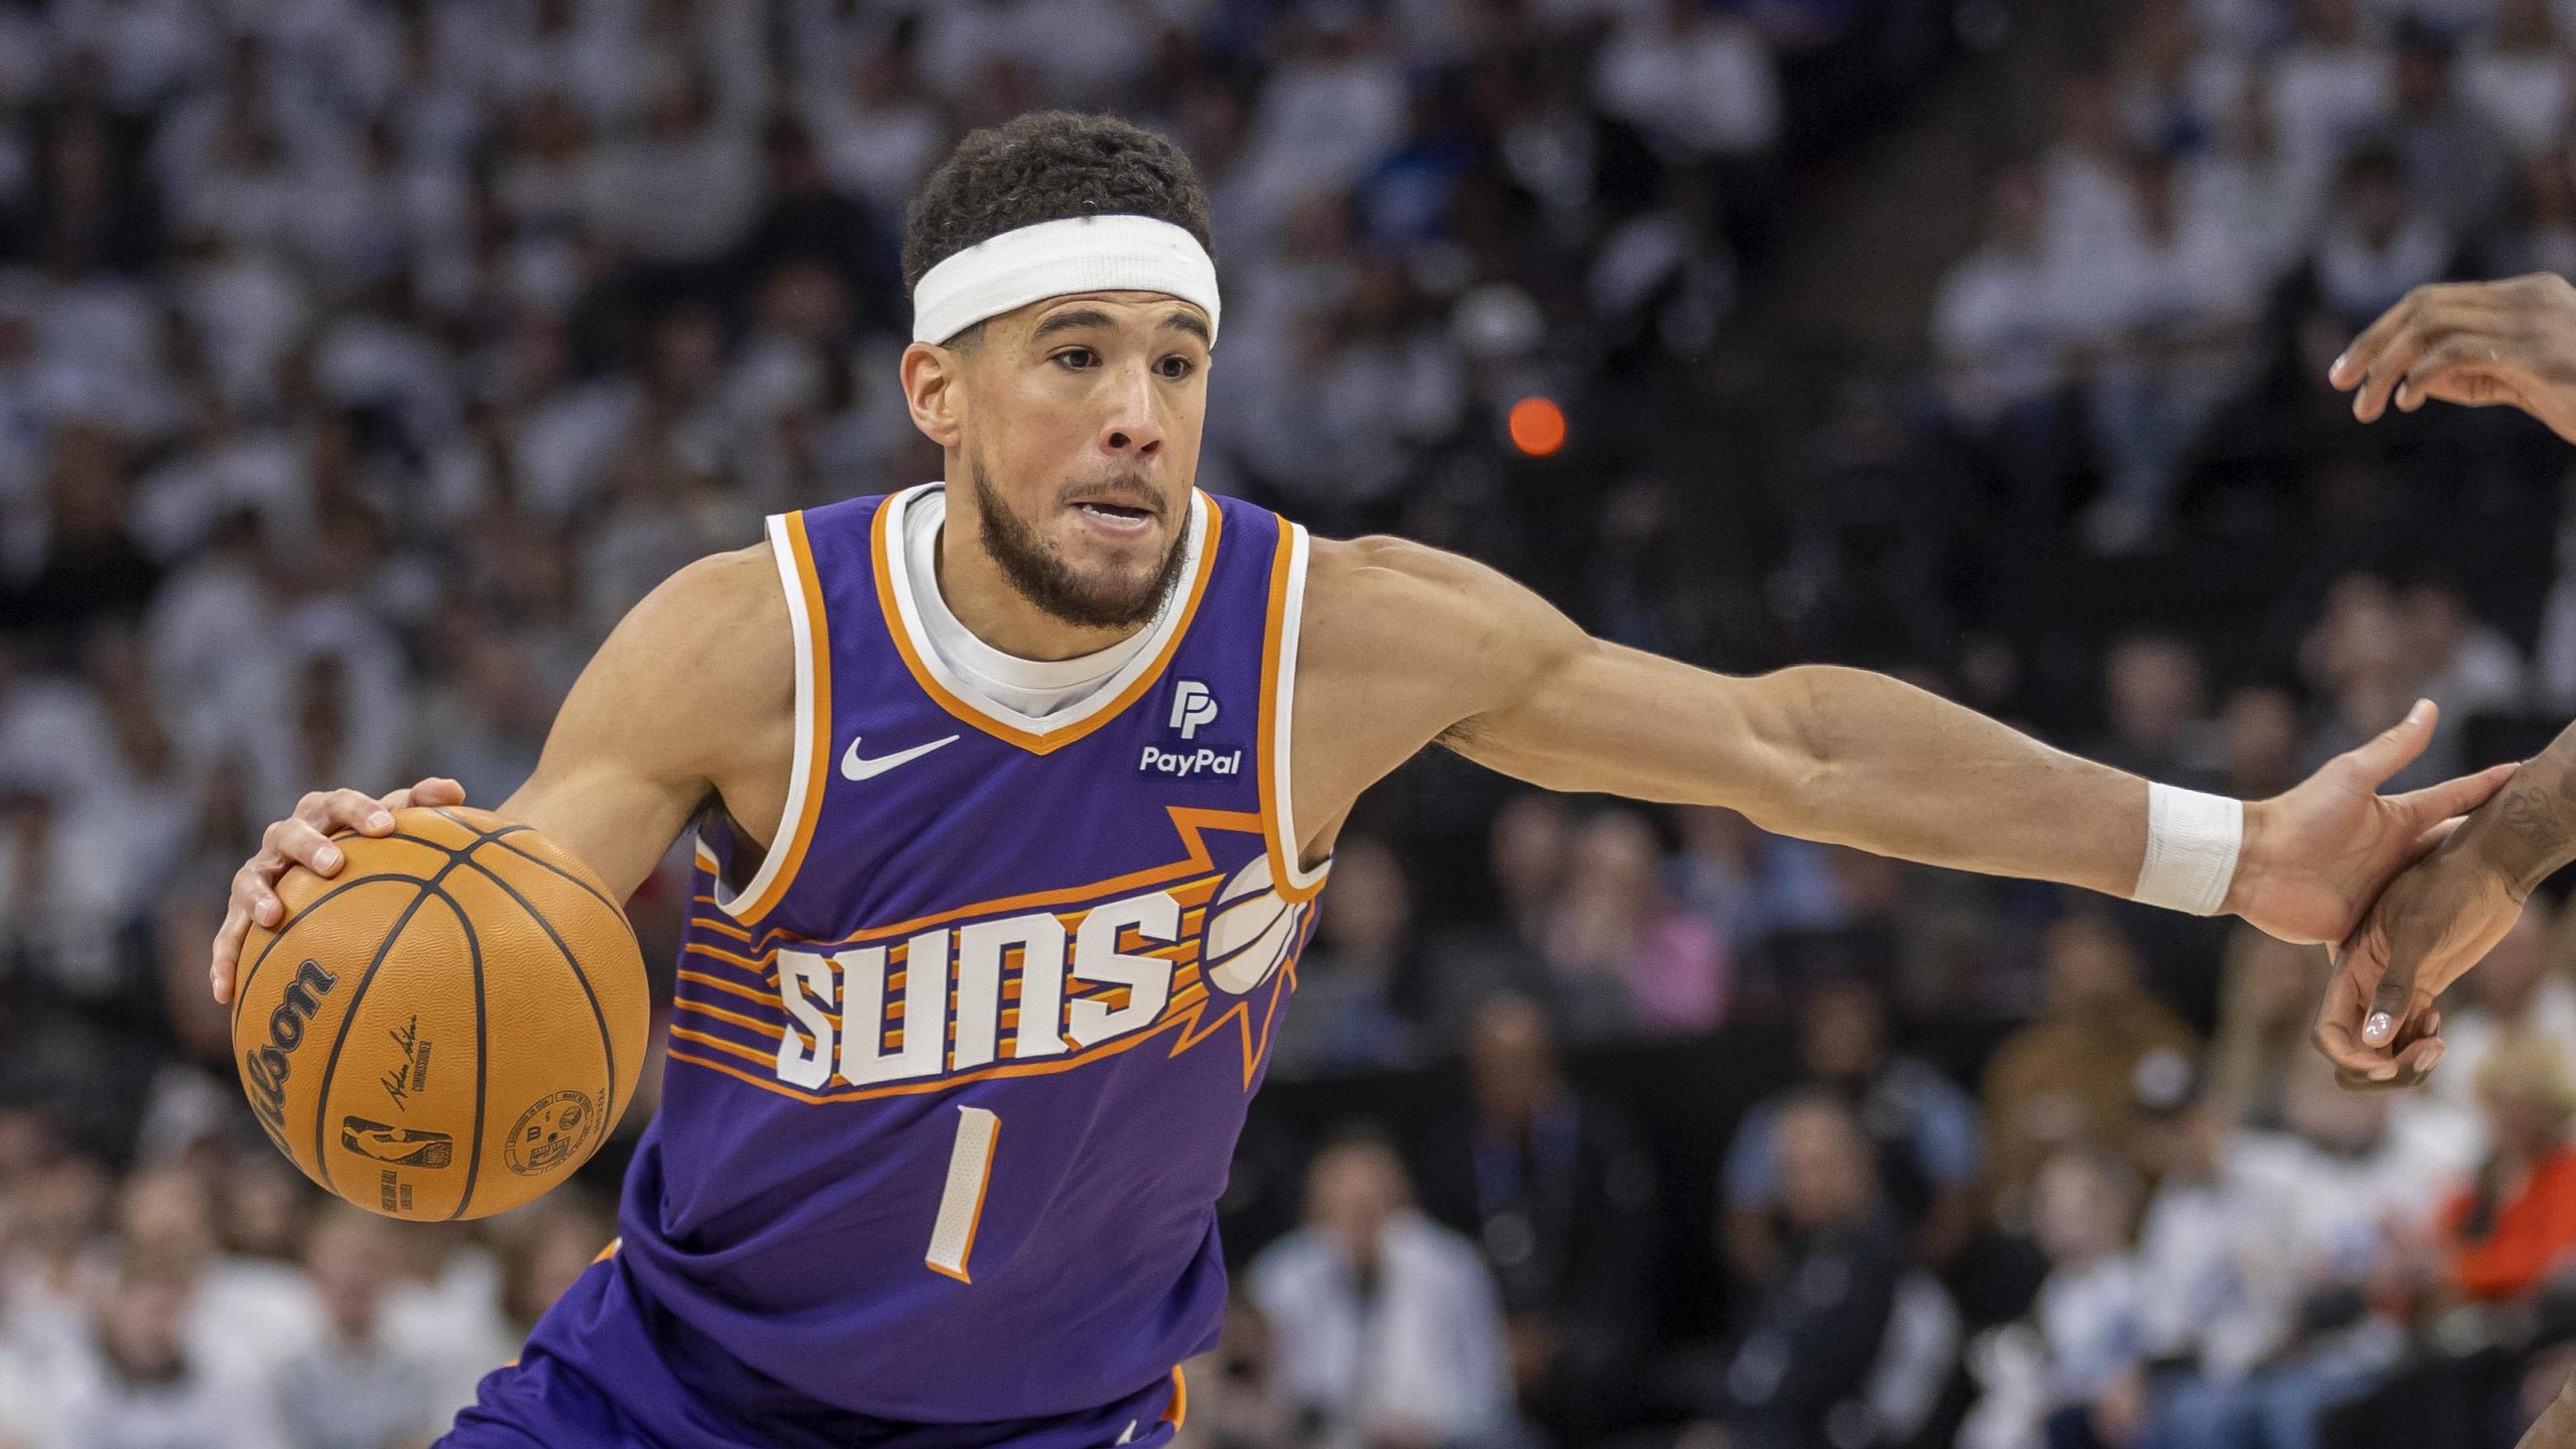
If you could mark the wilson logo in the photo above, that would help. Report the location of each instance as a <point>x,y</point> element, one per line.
<point>264,1068</point>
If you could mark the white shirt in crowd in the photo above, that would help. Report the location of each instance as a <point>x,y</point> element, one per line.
<point>1423,1351</point>
<point>2525,92</point>
<point>1705,88</point>
<point>1996,326</point>
<point>2093,1324</point>
<point>2224,1265</point>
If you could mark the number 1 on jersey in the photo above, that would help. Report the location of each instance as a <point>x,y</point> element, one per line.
<point>961,1205</point>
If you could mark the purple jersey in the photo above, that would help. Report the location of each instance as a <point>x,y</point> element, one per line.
<point>956,1073</point>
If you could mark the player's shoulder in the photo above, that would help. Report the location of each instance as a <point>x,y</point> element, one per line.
<point>1392,596</point>
<point>720,620</point>
<point>1375,580</point>
<point>1382,562</point>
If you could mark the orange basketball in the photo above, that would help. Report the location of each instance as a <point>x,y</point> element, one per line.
<point>450,1025</point>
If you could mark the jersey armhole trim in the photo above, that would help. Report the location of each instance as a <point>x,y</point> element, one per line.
<point>761,894</point>
<point>1293,882</point>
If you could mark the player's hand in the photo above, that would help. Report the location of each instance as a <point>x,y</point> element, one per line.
<point>2318,854</point>
<point>2472,343</point>
<point>304,838</point>
<point>2434,922</point>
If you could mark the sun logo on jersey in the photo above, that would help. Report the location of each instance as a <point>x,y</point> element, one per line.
<point>1038,984</point>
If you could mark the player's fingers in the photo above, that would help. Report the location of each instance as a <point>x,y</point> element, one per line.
<point>2395,747</point>
<point>2394,1000</point>
<point>436,790</point>
<point>2427,808</point>
<point>2354,367</point>
<point>2337,1031</point>
<point>226,958</point>
<point>299,842</point>
<point>2463,368</point>
<point>328,810</point>
<point>251,894</point>
<point>2388,368</point>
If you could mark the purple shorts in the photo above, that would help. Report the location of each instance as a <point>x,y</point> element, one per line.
<point>607,1368</point>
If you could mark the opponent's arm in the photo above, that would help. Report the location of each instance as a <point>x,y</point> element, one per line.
<point>2478,344</point>
<point>1465,655</point>
<point>2437,920</point>
<point>692,693</point>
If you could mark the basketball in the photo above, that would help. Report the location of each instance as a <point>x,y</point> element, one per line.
<point>447,1027</point>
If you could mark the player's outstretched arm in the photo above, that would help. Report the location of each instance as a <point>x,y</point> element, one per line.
<point>1464,655</point>
<point>692,694</point>
<point>2440,918</point>
<point>2477,344</point>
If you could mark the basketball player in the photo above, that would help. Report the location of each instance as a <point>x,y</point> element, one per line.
<point>1011,797</point>
<point>2477,344</point>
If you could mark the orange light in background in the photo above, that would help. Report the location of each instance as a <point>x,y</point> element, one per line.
<point>1537,426</point>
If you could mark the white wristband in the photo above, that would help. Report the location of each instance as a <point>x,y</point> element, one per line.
<point>2192,841</point>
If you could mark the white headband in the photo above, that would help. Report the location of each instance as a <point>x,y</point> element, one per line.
<point>1056,259</point>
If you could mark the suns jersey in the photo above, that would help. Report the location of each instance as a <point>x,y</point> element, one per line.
<point>956,1074</point>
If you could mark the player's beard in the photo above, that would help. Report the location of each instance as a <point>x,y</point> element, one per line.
<point>1046,580</point>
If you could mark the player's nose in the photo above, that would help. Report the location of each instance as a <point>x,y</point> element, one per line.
<point>1133,428</point>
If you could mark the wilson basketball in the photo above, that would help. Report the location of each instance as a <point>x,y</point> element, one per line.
<point>450,1025</point>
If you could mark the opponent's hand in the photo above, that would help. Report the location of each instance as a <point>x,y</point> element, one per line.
<point>2316,855</point>
<point>2472,343</point>
<point>304,838</point>
<point>2434,922</point>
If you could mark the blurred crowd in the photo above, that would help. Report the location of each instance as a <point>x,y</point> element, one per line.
<point>361,361</point>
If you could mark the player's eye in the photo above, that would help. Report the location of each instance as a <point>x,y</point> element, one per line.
<point>1077,358</point>
<point>1175,367</point>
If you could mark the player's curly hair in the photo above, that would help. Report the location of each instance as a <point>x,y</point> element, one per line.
<point>1046,166</point>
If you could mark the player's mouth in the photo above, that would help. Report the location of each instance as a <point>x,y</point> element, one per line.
<point>1126,520</point>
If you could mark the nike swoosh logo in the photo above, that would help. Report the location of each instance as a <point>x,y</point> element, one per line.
<point>855,768</point>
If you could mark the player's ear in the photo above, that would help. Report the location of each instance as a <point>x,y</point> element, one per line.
<point>934,388</point>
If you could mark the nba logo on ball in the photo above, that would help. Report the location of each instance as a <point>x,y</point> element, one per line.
<point>1249,930</point>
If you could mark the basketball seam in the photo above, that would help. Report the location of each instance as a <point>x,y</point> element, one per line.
<point>544,864</point>
<point>349,1013</point>
<point>241,987</point>
<point>607,1047</point>
<point>482,1053</point>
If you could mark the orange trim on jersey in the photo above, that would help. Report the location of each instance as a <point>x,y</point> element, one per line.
<point>682,1033</point>
<point>608,1252</point>
<point>880,532</point>
<point>983,1186</point>
<point>748,1023</point>
<point>1178,1412</point>
<point>762,964</point>
<point>818,759</point>
<point>720,984</point>
<point>721,928</point>
<point>1283,852</point>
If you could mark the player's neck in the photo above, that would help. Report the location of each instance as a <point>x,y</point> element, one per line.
<point>994,610</point>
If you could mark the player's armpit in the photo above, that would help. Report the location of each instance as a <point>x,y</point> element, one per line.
<point>693,692</point>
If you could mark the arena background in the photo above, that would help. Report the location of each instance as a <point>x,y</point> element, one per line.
<point>362,360</point>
